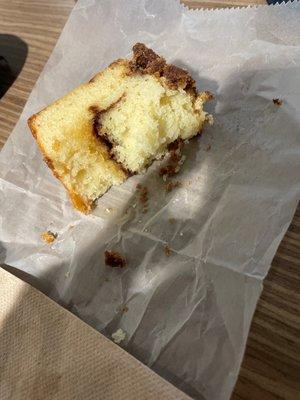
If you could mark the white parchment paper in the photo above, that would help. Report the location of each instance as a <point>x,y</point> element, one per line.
<point>188,314</point>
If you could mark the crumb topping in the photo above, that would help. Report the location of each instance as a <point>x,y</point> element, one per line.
<point>146,61</point>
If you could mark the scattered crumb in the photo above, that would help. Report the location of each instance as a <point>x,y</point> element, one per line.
<point>176,146</point>
<point>118,336</point>
<point>206,96</point>
<point>67,274</point>
<point>182,160</point>
<point>172,220</point>
<point>277,102</point>
<point>125,309</point>
<point>114,259</point>
<point>106,279</point>
<point>143,196</point>
<point>108,210</point>
<point>172,185</point>
<point>176,159</point>
<point>166,171</point>
<point>48,237</point>
<point>168,251</point>
<point>181,233</point>
<point>208,147</point>
<point>176,151</point>
<point>209,119</point>
<point>71,227</point>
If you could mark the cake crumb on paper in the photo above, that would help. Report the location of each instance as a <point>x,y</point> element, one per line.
<point>118,336</point>
<point>169,170</point>
<point>114,259</point>
<point>172,185</point>
<point>168,251</point>
<point>209,119</point>
<point>143,196</point>
<point>206,96</point>
<point>277,102</point>
<point>176,160</point>
<point>172,220</point>
<point>48,237</point>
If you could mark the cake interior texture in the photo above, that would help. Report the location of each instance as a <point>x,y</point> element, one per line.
<point>117,124</point>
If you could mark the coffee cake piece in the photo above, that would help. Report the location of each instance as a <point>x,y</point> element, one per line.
<point>117,124</point>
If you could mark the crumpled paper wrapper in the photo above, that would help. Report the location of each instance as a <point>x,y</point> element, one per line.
<point>185,314</point>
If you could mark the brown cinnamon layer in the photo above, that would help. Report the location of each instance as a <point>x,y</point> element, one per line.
<point>146,61</point>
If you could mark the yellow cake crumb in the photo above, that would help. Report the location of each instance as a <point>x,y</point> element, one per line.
<point>48,237</point>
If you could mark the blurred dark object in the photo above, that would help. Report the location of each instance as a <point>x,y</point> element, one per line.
<point>6,76</point>
<point>276,1</point>
<point>13,53</point>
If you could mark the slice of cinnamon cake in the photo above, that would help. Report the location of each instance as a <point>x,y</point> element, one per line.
<point>117,124</point>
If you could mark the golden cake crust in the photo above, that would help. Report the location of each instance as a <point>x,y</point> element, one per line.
<point>80,203</point>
